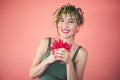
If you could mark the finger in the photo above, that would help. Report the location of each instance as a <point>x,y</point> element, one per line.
<point>59,55</point>
<point>59,52</point>
<point>61,49</point>
<point>52,52</point>
<point>59,58</point>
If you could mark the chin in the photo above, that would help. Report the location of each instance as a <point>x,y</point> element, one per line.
<point>66,36</point>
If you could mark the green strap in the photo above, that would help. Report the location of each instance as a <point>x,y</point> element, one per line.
<point>76,53</point>
<point>48,51</point>
<point>49,43</point>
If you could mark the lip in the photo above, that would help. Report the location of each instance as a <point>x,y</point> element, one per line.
<point>65,31</point>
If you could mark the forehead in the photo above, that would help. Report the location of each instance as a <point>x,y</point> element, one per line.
<point>67,16</point>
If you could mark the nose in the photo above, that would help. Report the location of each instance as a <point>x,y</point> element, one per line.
<point>65,25</point>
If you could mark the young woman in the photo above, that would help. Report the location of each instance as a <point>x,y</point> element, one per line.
<point>63,64</point>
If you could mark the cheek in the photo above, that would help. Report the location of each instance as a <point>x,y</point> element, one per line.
<point>60,24</point>
<point>74,28</point>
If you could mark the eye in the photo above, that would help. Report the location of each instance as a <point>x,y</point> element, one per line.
<point>61,20</point>
<point>71,21</point>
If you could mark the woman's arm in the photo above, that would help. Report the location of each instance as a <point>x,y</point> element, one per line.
<point>71,75</point>
<point>81,61</point>
<point>38,67</point>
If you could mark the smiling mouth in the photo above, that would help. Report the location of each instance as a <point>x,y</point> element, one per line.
<point>65,31</point>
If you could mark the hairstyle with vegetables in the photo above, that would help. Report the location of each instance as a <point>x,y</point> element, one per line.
<point>72,10</point>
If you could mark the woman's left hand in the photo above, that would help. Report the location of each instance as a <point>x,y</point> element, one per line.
<point>63,55</point>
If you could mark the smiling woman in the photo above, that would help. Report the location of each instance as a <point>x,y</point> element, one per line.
<point>61,63</point>
<point>67,26</point>
<point>23,23</point>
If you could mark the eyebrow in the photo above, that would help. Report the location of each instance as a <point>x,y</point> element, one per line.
<point>69,19</point>
<point>60,18</point>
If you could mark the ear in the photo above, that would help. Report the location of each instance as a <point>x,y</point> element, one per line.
<point>77,29</point>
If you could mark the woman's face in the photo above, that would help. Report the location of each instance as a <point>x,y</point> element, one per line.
<point>67,26</point>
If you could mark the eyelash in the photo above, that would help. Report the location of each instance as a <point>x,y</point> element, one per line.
<point>71,22</point>
<point>61,20</point>
<point>68,21</point>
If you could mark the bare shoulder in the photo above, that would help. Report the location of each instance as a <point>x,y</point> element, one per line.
<point>42,46</point>
<point>44,40</point>
<point>83,53</point>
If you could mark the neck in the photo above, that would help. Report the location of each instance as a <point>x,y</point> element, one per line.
<point>69,40</point>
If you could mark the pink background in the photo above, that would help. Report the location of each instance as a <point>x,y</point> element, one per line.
<point>23,23</point>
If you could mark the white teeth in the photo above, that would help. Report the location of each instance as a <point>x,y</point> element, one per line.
<point>65,31</point>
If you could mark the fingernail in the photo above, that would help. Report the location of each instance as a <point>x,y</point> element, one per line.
<point>53,53</point>
<point>55,57</point>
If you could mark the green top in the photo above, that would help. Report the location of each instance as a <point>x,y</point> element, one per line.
<point>56,70</point>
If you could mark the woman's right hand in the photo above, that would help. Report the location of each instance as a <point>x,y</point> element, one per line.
<point>51,58</point>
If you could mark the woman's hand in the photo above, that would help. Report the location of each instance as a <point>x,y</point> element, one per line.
<point>51,58</point>
<point>62,55</point>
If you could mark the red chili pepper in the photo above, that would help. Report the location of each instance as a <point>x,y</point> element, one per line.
<point>60,44</point>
